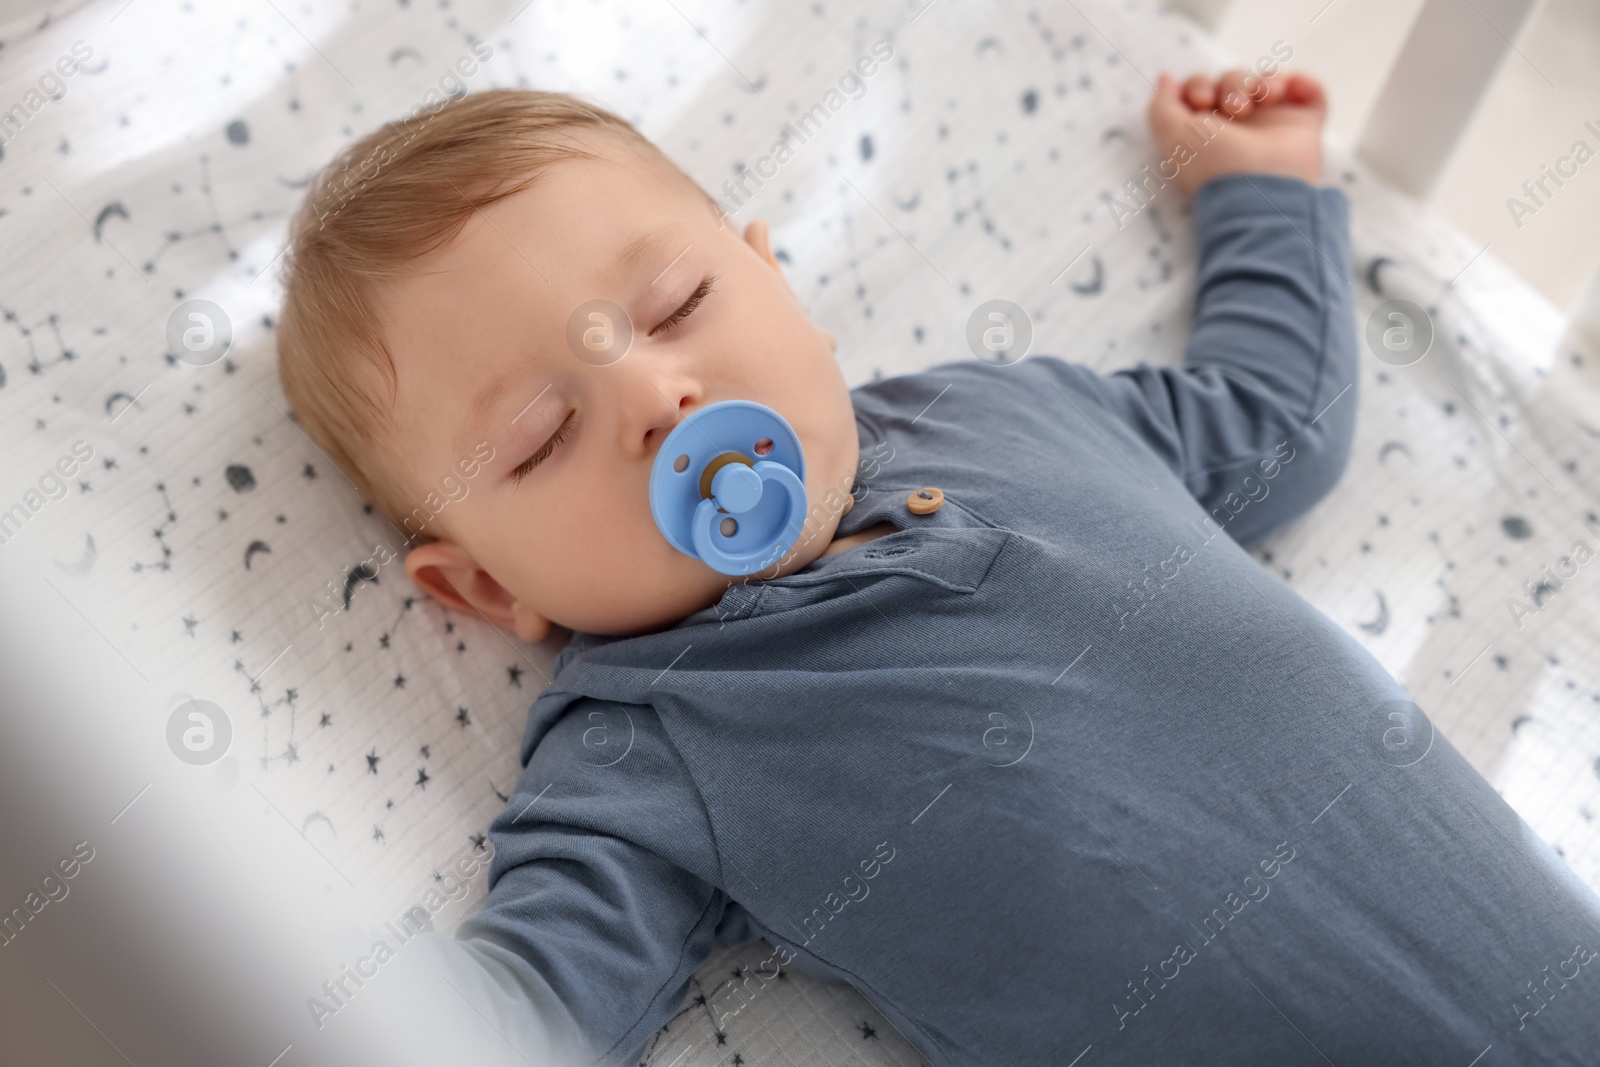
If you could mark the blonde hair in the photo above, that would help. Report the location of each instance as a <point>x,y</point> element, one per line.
<point>385,201</point>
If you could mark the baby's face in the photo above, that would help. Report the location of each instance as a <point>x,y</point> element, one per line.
<point>556,527</point>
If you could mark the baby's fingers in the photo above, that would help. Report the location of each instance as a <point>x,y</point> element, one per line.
<point>1200,93</point>
<point>1273,90</point>
<point>1168,112</point>
<point>1234,88</point>
<point>1306,91</point>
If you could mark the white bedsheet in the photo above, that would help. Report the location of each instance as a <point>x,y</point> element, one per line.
<point>976,164</point>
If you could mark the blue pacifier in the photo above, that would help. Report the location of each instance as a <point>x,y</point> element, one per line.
<point>728,487</point>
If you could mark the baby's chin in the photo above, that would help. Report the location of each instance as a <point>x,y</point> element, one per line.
<point>680,586</point>
<point>654,598</point>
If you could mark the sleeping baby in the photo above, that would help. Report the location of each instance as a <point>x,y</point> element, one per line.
<point>994,718</point>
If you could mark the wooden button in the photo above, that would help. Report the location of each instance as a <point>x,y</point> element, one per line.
<point>925,501</point>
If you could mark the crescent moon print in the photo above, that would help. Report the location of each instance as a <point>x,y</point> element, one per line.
<point>1094,284</point>
<point>1380,622</point>
<point>114,397</point>
<point>1393,446</point>
<point>83,564</point>
<point>255,546</point>
<point>113,209</point>
<point>317,816</point>
<point>1375,274</point>
<point>357,575</point>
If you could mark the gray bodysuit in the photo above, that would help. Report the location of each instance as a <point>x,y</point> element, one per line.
<point>1056,769</point>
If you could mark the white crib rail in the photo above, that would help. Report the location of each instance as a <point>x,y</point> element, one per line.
<point>1433,90</point>
<point>1431,95</point>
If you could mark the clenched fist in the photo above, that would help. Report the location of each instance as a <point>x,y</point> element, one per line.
<point>1240,122</point>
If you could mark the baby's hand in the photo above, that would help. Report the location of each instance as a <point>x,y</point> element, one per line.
<point>1238,123</point>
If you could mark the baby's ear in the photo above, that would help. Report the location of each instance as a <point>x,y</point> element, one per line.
<point>757,237</point>
<point>447,573</point>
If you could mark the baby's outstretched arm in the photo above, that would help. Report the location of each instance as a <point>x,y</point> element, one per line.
<point>587,942</point>
<point>1263,408</point>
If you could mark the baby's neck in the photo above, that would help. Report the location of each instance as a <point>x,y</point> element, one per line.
<point>859,537</point>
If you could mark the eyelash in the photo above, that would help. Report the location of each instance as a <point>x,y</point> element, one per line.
<point>545,451</point>
<point>695,299</point>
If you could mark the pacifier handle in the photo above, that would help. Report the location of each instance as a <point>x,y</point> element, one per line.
<point>745,487</point>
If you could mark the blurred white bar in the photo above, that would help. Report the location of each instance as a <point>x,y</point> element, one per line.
<point>1208,13</point>
<point>1434,89</point>
<point>1586,312</point>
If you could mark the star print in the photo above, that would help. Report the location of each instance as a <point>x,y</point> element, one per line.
<point>407,602</point>
<point>722,1038</point>
<point>388,805</point>
<point>449,627</point>
<point>383,641</point>
<point>867,1032</point>
<point>738,1060</point>
<point>477,841</point>
<point>330,768</point>
<point>399,681</point>
<point>377,833</point>
<point>189,623</point>
<point>1501,662</point>
<point>308,471</point>
<point>236,638</point>
<point>221,515</point>
<point>463,718</point>
<point>425,753</point>
<point>372,761</point>
<point>516,675</point>
<point>700,1001</point>
<point>291,754</point>
<point>461,646</point>
<point>422,778</point>
<point>327,720</point>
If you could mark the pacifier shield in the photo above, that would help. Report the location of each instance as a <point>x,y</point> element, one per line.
<point>728,487</point>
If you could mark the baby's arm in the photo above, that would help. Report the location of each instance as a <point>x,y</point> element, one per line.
<point>1264,405</point>
<point>588,940</point>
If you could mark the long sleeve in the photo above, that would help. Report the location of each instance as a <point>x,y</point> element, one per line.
<point>1269,374</point>
<point>590,934</point>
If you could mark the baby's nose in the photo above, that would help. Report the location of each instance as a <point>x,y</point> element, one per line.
<point>662,405</point>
